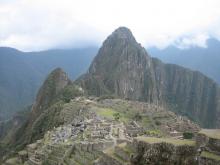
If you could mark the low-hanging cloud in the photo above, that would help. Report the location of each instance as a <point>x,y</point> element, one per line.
<point>44,24</point>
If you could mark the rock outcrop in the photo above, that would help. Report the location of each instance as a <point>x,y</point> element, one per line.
<point>123,68</point>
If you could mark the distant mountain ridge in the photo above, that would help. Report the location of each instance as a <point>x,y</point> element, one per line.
<point>205,60</point>
<point>22,73</point>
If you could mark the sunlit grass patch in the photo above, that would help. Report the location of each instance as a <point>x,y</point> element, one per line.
<point>175,142</point>
<point>212,133</point>
<point>209,155</point>
<point>110,113</point>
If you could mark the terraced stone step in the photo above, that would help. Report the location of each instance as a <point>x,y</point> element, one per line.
<point>210,155</point>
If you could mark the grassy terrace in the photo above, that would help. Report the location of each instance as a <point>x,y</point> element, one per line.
<point>212,133</point>
<point>209,155</point>
<point>109,113</point>
<point>175,142</point>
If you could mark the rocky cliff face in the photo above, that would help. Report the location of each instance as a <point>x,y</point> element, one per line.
<point>123,68</point>
<point>188,92</point>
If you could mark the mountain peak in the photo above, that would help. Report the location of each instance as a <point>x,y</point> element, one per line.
<point>119,65</point>
<point>123,33</point>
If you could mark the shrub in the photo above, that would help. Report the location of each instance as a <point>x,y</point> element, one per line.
<point>116,116</point>
<point>157,122</point>
<point>188,135</point>
<point>137,117</point>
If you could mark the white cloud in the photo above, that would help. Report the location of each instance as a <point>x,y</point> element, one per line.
<point>43,24</point>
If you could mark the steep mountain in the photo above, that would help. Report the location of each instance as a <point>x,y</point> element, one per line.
<point>123,68</point>
<point>22,73</point>
<point>205,60</point>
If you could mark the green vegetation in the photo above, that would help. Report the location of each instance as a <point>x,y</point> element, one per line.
<point>137,117</point>
<point>212,133</point>
<point>157,122</point>
<point>188,135</point>
<point>46,121</point>
<point>70,92</point>
<point>155,132</point>
<point>116,116</point>
<point>111,114</point>
<point>210,155</point>
<point>166,140</point>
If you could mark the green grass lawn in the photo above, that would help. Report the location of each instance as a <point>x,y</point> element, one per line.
<point>109,113</point>
<point>212,133</point>
<point>175,142</point>
<point>209,155</point>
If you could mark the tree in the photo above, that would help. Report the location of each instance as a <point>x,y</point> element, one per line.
<point>116,116</point>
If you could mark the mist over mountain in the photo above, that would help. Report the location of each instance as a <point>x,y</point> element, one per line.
<point>205,60</point>
<point>22,73</point>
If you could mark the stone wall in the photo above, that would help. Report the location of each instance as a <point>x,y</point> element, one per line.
<point>163,153</point>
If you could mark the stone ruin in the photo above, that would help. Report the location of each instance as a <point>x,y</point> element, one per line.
<point>81,141</point>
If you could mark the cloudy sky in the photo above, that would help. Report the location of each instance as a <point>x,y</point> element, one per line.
<point>32,25</point>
